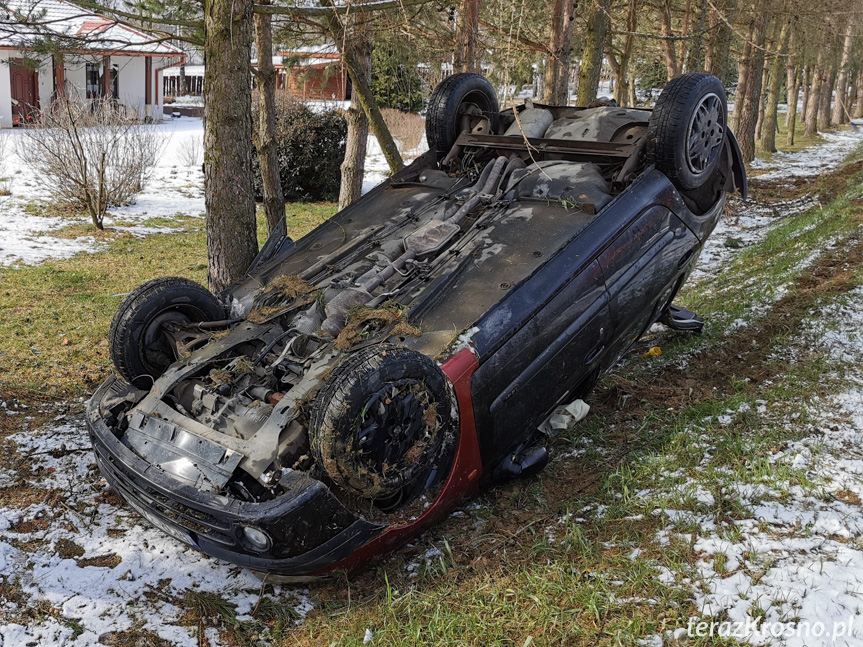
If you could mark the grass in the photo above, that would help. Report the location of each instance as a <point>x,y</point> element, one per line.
<point>802,141</point>
<point>54,317</point>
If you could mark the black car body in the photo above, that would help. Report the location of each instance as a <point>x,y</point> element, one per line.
<point>367,378</point>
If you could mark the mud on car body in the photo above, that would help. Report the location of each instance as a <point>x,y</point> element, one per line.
<point>368,377</point>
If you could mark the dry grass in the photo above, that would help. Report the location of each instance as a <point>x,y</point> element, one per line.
<point>407,128</point>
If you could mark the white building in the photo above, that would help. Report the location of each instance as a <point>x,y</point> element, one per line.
<point>95,57</point>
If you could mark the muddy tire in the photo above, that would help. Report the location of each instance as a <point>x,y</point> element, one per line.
<point>138,348</point>
<point>454,97</point>
<point>687,129</point>
<point>384,425</point>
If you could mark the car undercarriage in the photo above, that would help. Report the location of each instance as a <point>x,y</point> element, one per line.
<point>364,379</point>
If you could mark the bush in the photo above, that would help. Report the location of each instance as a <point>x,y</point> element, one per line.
<point>191,151</point>
<point>311,150</point>
<point>89,154</point>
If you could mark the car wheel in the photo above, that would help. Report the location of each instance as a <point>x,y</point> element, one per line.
<point>686,131</point>
<point>139,348</point>
<point>384,425</point>
<point>459,96</point>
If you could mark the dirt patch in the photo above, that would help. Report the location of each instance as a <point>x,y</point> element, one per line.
<point>826,186</point>
<point>68,549</point>
<point>134,638</point>
<point>103,561</point>
<point>23,495</point>
<point>849,497</point>
<point>109,497</point>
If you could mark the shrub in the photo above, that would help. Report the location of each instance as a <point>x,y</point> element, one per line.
<point>89,154</point>
<point>311,149</point>
<point>190,151</point>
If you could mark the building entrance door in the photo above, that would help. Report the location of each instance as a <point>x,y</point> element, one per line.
<point>24,95</point>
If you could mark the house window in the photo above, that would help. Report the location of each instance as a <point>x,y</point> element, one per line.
<point>94,86</point>
<point>94,81</point>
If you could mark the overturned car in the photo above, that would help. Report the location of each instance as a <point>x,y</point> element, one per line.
<point>367,378</point>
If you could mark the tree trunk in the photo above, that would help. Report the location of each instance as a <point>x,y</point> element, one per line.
<point>816,80</point>
<point>684,32</point>
<point>465,55</point>
<point>671,65</point>
<point>182,89</point>
<point>358,133</point>
<point>858,111</point>
<point>748,108</point>
<point>807,91</point>
<point>744,68</point>
<point>792,81</point>
<point>840,109</point>
<point>762,100</point>
<point>229,195</point>
<point>556,91</point>
<point>769,123</point>
<point>853,95</point>
<point>594,47</point>
<point>825,99</point>
<point>792,77</point>
<point>716,62</point>
<point>695,57</point>
<point>624,83</point>
<point>365,96</point>
<point>265,140</point>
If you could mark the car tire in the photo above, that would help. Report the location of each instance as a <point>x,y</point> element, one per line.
<point>139,352</point>
<point>384,425</point>
<point>687,129</point>
<point>447,102</point>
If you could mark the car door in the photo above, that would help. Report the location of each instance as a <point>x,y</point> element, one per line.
<point>642,267</point>
<point>544,363</point>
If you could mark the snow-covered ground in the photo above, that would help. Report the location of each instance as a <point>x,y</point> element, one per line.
<point>790,570</point>
<point>751,220</point>
<point>811,161</point>
<point>176,186</point>
<point>140,575</point>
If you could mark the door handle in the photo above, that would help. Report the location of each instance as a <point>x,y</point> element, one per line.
<point>594,354</point>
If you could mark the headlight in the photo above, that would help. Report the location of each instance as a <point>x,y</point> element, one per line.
<point>256,539</point>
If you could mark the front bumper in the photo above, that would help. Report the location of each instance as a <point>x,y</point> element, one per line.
<point>310,529</point>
